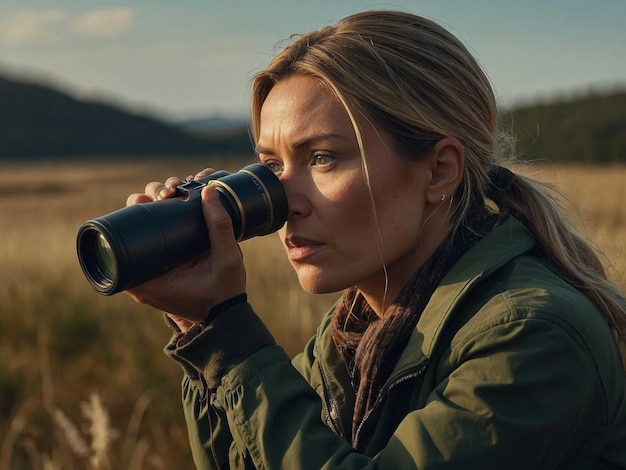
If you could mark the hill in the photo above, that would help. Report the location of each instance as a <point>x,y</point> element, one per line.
<point>38,121</point>
<point>212,124</point>
<point>587,129</point>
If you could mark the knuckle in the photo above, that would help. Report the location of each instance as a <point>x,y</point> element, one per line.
<point>222,221</point>
<point>153,188</point>
<point>172,182</point>
<point>132,199</point>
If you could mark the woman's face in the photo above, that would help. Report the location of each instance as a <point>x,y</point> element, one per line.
<point>339,232</point>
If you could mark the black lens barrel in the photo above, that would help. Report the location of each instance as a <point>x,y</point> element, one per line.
<point>147,240</point>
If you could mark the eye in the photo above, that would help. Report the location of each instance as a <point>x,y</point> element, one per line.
<point>323,159</point>
<point>275,166</point>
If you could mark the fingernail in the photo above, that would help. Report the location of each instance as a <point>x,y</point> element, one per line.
<point>163,193</point>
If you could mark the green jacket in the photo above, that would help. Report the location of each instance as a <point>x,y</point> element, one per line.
<point>508,367</point>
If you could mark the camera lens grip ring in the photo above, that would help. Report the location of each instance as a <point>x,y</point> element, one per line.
<point>265,192</point>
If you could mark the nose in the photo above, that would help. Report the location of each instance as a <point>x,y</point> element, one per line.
<point>297,200</point>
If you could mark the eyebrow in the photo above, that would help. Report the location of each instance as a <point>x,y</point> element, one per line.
<point>302,143</point>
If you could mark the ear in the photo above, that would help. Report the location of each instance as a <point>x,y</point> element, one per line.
<point>447,160</point>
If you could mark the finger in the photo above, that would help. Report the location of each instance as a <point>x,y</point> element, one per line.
<point>228,257</point>
<point>173,182</point>
<point>157,191</point>
<point>203,173</point>
<point>219,224</point>
<point>137,198</point>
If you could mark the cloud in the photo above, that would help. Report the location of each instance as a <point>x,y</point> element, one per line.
<point>36,26</point>
<point>106,22</point>
<point>27,26</point>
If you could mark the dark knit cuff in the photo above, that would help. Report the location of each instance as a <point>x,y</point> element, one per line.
<point>210,350</point>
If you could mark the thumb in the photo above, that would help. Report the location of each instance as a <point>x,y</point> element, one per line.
<point>219,223</point>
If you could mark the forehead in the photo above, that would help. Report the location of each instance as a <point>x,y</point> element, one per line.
<point>300,104</point>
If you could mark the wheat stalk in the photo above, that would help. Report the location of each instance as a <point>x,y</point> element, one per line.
<point>100,431</point>
<point>73,436</point>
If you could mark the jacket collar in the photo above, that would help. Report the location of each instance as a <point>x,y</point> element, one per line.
<point>505,242</point>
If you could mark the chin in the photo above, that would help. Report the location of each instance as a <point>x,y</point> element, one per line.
<point>320,284</point>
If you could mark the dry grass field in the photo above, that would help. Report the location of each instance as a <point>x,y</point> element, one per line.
<point>597,196</point>
<point>83,381</point>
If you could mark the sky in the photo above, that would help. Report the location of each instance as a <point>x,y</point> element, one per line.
<point>185,59</point>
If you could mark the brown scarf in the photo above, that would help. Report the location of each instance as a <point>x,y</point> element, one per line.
<point>370,345</point>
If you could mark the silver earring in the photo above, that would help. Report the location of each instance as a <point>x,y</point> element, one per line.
<point>443,197</point>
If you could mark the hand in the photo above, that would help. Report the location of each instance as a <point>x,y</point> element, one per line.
<point>156,191</point>
<point>188,292</point>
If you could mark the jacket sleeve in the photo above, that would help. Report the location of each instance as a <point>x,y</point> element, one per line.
<point>209,436</point>
<point>245,402</point>
<point>206,353</point>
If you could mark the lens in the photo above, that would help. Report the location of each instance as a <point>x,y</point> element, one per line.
<point>97,257</point>
<point>104,257</point>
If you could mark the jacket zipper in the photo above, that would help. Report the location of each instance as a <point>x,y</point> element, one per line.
<point>332,407</point>
<point>419,370</point>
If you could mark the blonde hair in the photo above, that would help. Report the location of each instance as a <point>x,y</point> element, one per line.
<point>419,83</point>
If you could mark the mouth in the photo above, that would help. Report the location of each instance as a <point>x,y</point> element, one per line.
<point>300,248</point>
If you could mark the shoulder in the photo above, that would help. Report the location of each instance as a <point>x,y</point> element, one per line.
<point>529,314</point>
<point>505,280</point>
<point>526,289</point>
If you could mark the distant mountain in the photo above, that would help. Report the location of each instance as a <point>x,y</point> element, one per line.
<point>39,121</point>
<point>213,124</point>
<point>231,135</point>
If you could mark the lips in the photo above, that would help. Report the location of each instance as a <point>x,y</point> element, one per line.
<point>301,248</point>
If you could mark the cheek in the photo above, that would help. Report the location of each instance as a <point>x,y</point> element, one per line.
<point>400,217</point>
<point>349,215</point>
<point>401,238</point>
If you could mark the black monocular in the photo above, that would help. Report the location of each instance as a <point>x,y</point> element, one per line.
<point>137,243</point>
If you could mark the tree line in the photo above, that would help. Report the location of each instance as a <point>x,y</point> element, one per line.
<point>589,129</point>
<point>38,121</point>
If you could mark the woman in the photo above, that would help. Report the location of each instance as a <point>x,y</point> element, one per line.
<point>476,330</point>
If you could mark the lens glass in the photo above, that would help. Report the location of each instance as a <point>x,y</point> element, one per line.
<point>105,259</point>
